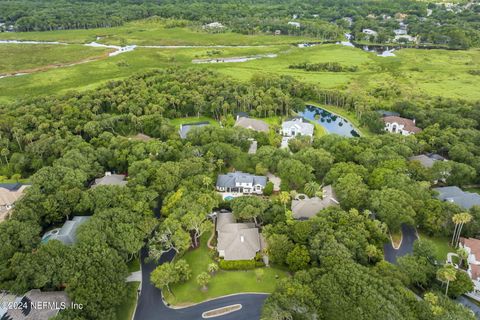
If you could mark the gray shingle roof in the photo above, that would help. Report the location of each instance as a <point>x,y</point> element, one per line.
<point>456,195</point>
<point>309,207</point>
<point>68,232</point>
<point>110,180</point>
<point>427,160</point>
<point>228,180</point>
<point>35,297</point>
<point>185,128</point>
<point>239,241</point>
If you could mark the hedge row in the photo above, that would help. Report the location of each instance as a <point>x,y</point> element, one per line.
<point>240,264</point>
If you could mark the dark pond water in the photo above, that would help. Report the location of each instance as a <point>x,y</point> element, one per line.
<point>331,122</point>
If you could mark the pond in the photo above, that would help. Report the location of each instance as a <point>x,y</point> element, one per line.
<point>331,122</point>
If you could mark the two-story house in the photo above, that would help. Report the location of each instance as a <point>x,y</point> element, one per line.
<point>241,182</point>
<point>395,124</point>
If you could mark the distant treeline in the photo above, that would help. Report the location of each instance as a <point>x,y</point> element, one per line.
<point>327,66</point>
<point>322,19</point>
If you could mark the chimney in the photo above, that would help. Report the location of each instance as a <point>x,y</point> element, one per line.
<point>242,238</point>
<point>414,121</point>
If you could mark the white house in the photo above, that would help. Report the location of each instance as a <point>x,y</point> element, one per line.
<point>241,182</point>
<point>297,127</point>
<point>370,32</point>
<point>472,246</point>
<point>213,25</point>
<point>295,24</point>
<point>395,124</point>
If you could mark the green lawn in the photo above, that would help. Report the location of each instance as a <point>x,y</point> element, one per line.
<point>476,190</point>
<point>442,245</point>
<point>127,307</point>
<point>134,265</point>
<point>222,283</point>
<point>25,57</point>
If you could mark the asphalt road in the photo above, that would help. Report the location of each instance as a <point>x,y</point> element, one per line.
<point>151,306</point>
<point>409,236</point>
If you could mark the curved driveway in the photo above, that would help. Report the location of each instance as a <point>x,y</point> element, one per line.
<point>151,305</point>
<point>409,235</point>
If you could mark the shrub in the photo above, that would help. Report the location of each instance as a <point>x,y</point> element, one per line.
<point>268,190</point>
<point>240,264</point>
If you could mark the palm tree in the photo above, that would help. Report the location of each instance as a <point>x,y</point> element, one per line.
<point>5,152</point>
<point>459,220</point>
<point>447,274</point>
<point>462,255</point>
<point>311,188</point>
<point>284,198</point>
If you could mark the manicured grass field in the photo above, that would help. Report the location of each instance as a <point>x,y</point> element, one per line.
<point>442,245</point>
<point>23,57</point>
<point>222,283</point>
<point>127,307</point>
<point>153,32</point>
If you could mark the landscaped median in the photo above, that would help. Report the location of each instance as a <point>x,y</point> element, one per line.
<point>222,282</point>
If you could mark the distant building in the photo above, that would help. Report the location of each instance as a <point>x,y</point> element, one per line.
<point>241,182</point>
<point>427,160</point>
<point>67,234</point>
<point>463,199</point>
<point>185,128</point>
<point>236,241</point>
<point>252,124</point>
<point>34,305</point>
<point>213,25</point>
<point>304,207</point>
<point>294,24</point>
<point>370,32</point>
<point>297,127</point>
<point>278,32</point>
<point>395,124</point>
<point>110,180</point>
<point>9,194</point>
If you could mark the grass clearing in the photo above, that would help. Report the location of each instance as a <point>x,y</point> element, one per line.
<point>442,245</point>
<point>134,265</point>
<point>222,283</point>
<point>153,32</point>
<point>25,57</point>
<point>126,309</point>
<point>476,190</point>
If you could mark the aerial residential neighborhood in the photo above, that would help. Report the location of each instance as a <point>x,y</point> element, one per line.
<point>239,160</point>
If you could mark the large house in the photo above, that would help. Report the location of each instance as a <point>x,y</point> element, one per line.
<point>395,124</point>
<point>9,194</point>
<point>241,182</point>
<point>185,128</point>
<point>236,241</point>
<point>110,179</point>
<point>463,199</point>
<point>297,127</point>
<point>304,207</point>
<point>252,124</point>
<point>472,246</point>
<point>34,305</point>
<point>68,233</point>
